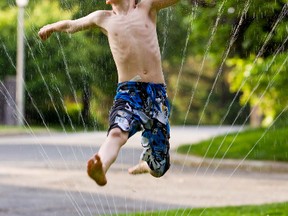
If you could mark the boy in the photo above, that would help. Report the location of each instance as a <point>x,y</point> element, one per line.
<point>141,100</point>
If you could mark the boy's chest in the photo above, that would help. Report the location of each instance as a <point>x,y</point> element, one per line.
<point>132,25</point>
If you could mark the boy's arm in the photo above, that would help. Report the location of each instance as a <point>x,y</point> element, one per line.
<point>153,6</point>
<point>159,4</point>
<point>70,26</point>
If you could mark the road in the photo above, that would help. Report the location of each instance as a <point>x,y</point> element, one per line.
<point>46,175</point>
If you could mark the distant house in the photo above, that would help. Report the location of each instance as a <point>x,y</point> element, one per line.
<point>7,101</point>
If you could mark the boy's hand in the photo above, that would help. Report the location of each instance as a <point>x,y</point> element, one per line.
<point>45,32</point>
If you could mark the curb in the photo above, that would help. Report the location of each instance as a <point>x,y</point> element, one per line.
<point>246,165</point>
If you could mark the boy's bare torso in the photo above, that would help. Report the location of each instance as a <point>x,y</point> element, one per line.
<point>134,45</point>
<point>131,31</point>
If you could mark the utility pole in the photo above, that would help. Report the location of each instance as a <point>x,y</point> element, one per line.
<point>20,62</point>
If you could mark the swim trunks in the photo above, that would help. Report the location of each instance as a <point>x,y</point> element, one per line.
<point>144,106</point>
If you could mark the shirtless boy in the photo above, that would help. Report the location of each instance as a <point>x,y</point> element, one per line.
<point>141,101</point>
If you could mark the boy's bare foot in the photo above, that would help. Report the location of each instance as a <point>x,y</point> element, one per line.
<point>95,170</point>
<point>140,168</point>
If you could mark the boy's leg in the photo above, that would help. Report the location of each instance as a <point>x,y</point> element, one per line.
<point>99,164</point>
<point>155,158</point>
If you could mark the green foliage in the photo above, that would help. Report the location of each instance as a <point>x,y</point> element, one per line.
<point>198,52</point>
<point>192,70</point>
<point>243,48</point>
<point>260,72</point>
<point>262,83</point>
<point>257,144</point>
<point>61,67</point>
<point>8,17</point>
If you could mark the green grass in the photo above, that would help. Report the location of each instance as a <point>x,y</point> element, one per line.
<point>4,129</point>
<point>277,209</point>
<point>258,144</point>
<point>13,130</point>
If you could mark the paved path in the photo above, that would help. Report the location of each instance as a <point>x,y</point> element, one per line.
<point>45,175</point>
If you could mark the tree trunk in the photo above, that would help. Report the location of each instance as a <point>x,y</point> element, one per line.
<point>86,103</point>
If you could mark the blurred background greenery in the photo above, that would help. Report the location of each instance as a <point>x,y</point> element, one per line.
<point>225,62</point>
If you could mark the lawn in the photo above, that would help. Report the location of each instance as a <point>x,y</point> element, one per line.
<point>12,130</point>
<point>277,209</point>
<point>256,144</point>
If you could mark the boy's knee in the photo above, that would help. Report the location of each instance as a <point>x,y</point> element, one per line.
<point>117,133</point>
<point>159,172</point>
<point>156,174</point>
<point>158,168</point>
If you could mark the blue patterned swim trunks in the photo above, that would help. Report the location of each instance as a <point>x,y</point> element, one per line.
<point>145,106</point>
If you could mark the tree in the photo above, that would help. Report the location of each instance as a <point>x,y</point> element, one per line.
<point>193,59</point>
<point>228,37</point>
<point>207,48</point>
<point>60,72</point>
<point>259,68</point>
